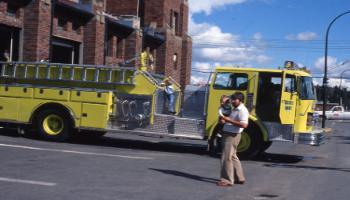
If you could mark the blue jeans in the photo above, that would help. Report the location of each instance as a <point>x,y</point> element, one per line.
<point>171,102</point>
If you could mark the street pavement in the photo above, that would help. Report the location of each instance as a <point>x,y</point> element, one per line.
<point>127,167</point>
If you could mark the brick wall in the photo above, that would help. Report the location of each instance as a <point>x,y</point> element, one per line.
<point>133,45</point>
<point>124,44</point>
<point>154,12</point>
<point>14,21</point>
<point>177,43</point>
<point>94,36</point>
<point>36,25</point>
<point>186,61</point>
<point>122,7</point>
<point>36,30</point>
<point>184,19</point>
<point>69,31</point>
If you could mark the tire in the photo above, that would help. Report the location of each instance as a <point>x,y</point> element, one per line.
<point>251,142</point>
<point>215,142</point>
<point>54,125</point>
<point>265,146</point>
<point>250,145</point>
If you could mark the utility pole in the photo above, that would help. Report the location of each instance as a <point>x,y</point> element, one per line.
<point>325,78</point>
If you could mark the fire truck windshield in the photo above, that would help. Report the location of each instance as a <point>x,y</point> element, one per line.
<point>306,88</point>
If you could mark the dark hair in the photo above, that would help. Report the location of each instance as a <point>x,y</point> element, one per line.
<point>238,95</point>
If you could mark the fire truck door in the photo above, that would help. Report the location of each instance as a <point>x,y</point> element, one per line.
<point>288,99</point>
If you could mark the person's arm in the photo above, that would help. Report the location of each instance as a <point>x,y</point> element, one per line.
<point>234,122</point>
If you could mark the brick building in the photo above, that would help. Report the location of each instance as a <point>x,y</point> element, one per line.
<point>98,32</point>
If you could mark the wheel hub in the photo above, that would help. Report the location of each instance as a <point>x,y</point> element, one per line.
<point>53,124</point>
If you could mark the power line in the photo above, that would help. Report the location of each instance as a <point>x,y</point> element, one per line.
<point>206,72</point>
<point>247,47</point>
<point>282,40</point>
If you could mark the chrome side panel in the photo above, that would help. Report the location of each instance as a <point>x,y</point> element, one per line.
<point>167,126</point>
<point>279,132</point>
<point>314,138</point>
<point>131,111</point>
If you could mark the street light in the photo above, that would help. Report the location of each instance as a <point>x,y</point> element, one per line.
<point>325,81</point>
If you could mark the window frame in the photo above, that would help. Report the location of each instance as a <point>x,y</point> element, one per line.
<point>238,75</point>
<point>293,87</point>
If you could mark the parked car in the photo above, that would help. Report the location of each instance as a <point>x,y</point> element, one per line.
<point>337,112</point>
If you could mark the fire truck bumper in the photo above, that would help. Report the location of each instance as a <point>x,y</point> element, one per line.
<point>314,138</point>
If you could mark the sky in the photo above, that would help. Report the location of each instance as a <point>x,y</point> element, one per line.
<point>265,33</point>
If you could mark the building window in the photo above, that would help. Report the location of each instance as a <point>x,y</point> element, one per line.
<point>120,47</point>
<point>110,46</point>
<point>62,24</point>
<point>76,27</point>
<point>12,10</point>
<point>174,22</point>
<point>175,60</point>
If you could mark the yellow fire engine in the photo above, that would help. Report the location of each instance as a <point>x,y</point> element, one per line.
<point>58,100</point>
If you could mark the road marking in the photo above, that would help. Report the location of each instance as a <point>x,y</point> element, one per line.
<point>27,181</point>
<point>76,152</point>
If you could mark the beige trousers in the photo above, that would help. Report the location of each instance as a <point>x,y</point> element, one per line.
<point>230,163</point>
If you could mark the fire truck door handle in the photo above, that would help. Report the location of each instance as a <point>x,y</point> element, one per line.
<point>84,115</point>
<point>1,108</point>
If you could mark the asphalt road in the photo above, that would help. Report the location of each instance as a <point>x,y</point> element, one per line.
<point>125,167</point>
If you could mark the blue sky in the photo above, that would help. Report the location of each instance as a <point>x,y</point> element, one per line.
<point>265,33</point>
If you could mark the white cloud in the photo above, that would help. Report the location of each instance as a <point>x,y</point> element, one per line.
<point>303,36</point>
<point>211,44</point>
<point>332,82</point>
<point>331,61</point>
<point>195,80</point>
<point>210,34</point>
<point>258,36</point>
<point>207,6</point>
<point>335,69</point>
<point>214,47</point>
<point>202,66</point>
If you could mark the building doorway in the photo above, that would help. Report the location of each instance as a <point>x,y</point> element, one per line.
<point>9,45</point>
<point>65,51</point>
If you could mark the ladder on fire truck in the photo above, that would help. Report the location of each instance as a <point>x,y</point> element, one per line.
<point>26,71</point>
<point>57,72</point>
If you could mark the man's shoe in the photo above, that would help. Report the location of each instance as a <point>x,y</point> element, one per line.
<point>224,184</point>
<point>240,182</point>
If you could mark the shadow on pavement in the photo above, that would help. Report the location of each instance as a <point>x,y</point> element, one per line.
<point>165,146</point>
<point>277,165</point>
<point>278,158</point>
<point>175,146</point>
<point>342,137</point>
<point>9,132</point>
<point>186,175</point>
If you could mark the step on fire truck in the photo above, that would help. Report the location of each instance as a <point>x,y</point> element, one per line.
<point>58,100</point>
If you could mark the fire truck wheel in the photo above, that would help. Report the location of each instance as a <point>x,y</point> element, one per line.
<point>250,144</point>
<point>54,125</point>
<point>265,146</point>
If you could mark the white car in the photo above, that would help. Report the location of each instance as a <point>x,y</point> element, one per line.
<point>337,112</point>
